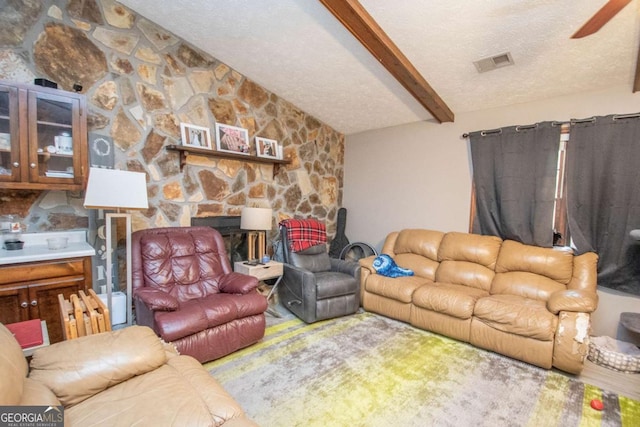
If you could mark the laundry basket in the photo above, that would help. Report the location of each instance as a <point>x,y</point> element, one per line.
<point>618,355</point>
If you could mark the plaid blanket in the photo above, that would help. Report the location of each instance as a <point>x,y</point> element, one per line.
<point>304,233</point>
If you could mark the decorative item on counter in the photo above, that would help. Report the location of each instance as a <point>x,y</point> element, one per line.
<point>13,245</point>
<point>11,234</point>
<point>56,243</point>
<point>5,222</point>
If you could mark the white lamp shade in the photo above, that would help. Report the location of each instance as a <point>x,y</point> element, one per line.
<point>256,218</point>
<point>112,188</point>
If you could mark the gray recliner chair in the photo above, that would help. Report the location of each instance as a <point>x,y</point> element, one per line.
<point>314,286</point>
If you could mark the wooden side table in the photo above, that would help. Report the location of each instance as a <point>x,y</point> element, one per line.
<point>270,270</point>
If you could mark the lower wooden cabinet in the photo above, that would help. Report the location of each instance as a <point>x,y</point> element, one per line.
<point>30,290</point>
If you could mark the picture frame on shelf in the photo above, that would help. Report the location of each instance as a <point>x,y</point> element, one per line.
<point>195,136</point>
<point>232,139</point>
<point>267,148</point>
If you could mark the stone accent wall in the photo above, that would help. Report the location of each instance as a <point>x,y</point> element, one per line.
<point>141,82</point>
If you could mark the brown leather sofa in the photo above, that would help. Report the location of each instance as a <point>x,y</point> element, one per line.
<point>526,302</point>
<point>185,290</point>
<point>121,378</point>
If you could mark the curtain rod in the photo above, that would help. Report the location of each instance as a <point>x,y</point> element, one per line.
<point>555,123</point>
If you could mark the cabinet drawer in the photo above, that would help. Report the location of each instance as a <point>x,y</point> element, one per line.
<point>41,270</point>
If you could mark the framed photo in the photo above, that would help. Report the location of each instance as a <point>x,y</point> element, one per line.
<point>195,136</point>
<point>267,148</point>
<point>232,139</point>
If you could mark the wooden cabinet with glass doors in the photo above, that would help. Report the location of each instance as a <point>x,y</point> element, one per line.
<point>43,138</point>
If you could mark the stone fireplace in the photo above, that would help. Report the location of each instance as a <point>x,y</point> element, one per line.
<point>141,82</point>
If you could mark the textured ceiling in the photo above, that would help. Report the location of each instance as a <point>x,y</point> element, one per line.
<point>298,50</point>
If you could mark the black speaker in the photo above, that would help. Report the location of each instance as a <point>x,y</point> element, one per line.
<point>45,83</point>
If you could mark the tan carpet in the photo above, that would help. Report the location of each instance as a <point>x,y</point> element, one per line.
<point>367,370</point>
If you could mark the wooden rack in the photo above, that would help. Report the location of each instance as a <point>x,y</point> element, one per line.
<point>83,315</point>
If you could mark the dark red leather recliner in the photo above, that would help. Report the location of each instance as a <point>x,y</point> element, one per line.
<point>185,289</point>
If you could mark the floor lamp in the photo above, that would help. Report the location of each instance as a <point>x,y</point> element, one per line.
<point>256,221</point>
<point>116,189</point>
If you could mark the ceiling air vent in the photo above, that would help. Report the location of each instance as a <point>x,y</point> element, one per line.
<point>493,62</point>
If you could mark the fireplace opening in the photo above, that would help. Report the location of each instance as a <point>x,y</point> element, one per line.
<point>235,238</point>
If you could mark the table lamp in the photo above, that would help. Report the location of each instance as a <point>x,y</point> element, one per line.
<point>256,221</point>
<point>116,189</point>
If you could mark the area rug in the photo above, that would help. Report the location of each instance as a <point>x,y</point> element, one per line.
<point>368,370</point>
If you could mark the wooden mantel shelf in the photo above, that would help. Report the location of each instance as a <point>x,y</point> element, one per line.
<point>186,151</point>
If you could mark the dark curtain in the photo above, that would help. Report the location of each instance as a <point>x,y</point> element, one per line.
<point>603,197</point>
<point>514,172</point>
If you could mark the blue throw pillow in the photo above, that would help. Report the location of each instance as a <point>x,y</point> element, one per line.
<point>386,266</point>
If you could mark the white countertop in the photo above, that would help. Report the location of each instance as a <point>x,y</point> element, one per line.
<point>36,248</point>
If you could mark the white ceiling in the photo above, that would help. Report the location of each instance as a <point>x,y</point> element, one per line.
<point>298,50</point>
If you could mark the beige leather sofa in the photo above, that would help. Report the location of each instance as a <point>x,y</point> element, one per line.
<point>526,302</point>
<point>121,378</point>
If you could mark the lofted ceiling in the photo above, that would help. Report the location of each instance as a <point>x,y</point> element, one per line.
<point>300,51</point>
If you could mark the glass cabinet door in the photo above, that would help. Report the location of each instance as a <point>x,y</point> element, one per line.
<point>9,144</point>
<point>52,120</point>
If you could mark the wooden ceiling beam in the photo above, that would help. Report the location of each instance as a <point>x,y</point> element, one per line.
<point>601,17</point>
<point>362,25</point>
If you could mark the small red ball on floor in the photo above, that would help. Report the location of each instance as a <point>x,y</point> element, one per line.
<point>597,404</point>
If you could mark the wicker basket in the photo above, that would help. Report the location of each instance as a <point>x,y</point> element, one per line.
<point>618,355</point>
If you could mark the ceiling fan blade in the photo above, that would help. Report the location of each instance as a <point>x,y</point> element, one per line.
<point>601,17</point>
